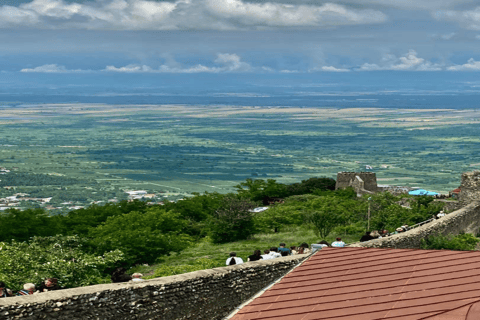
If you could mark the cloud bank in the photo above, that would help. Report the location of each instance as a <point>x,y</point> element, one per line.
<point>227,62</point>
<point>53,68</point>
<point>181,15</point>
<point>409,62</point>
<point>232,63</point>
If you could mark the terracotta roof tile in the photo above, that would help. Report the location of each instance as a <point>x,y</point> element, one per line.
<point>368,284</point>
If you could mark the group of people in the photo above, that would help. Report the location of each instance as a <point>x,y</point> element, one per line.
<point>120,275</point>
<point>50,284</point>
<point>274,252</point>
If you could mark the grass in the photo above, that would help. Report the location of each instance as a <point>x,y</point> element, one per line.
<point>218,253</point>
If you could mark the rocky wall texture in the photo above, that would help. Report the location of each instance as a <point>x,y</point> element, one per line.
<point>466,219</point>
<point>208,294</point>
<point>470,187</point>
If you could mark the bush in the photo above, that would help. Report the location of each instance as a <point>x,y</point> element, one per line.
<point>462,242</point>
<point>233,220</point>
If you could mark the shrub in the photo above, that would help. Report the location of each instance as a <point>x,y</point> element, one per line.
<point>462,242</point>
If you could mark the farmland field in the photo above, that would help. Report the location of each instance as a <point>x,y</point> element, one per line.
<point>93,152</point>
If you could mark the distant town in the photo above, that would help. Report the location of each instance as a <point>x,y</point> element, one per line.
<point>23,200</point>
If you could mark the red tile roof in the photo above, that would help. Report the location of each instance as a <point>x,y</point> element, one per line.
<point>370,283</point>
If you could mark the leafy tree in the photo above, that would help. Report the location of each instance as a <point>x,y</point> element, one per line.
<point>325,215</point>
<point>233,220</point>
<point>279,216</point>
<point>22,225</point>
<point>311,185</point>
<point>61,257</point>
<point>462,242</point>
<point>143,237</point>
<point>82,220</point>
<point>257,190</point>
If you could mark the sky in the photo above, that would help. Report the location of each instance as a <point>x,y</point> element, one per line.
<point>75,37</point>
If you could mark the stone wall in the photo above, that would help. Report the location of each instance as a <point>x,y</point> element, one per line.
<point>466,219</point>
<point>470,187</point>
<point>347,179</point>
<point>208,294</point>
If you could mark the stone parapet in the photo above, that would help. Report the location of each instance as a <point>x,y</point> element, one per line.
<point>202,295</point>
<point>466,219</point>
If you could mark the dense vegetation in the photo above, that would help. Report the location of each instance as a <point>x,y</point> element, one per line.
<point>83,246</point>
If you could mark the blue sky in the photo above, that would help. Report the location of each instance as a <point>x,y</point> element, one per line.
<point>238,36</point>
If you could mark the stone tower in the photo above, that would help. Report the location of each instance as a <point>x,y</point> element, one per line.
<point>470,187</point>
<point>362,182</point>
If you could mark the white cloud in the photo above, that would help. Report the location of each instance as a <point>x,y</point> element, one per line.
<point>468,19</point>
<point>471,65</point>
<point>226,62</point>
<point>330,69</point>
<point>181,15</point>
<point>409,62</point>
<point>53,68</point>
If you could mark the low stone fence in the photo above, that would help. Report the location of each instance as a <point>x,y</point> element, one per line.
<point>466,219</point>
<point>207,294</point>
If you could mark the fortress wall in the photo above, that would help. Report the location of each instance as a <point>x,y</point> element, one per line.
<point>202,295</point>
<point>466,219</point>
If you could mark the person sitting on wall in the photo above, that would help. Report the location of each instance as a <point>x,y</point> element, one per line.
<point>28,289</point>
<point>304,248</point>
<point>257,255</point>
<point>49,284</point>
<point>284,251</point>
<point>233,259</point>
<point>366,237</point>
<point>318,246</point>
<point>338,243</point>
<point>137,277</point>
<point>266,255</point>
<point>119,275</point>
<point>4,291</point>
<point>274,253</point>
<point>294,250</point>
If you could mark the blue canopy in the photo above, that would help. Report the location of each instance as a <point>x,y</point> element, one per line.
<point>422,192</point>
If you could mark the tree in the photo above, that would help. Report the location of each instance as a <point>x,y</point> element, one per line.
<point>233,220</point>
<point>142,237</point>
<point>60,256</point>
<point>325,214</point>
